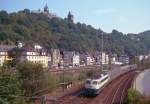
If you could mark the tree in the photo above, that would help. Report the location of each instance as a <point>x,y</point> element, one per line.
<point>32,76</point>
<point>59,33</point>
<point>35,78</point>
<point>14,55</point>
<point>4,17</point>
<point>10,86</point>
<point>90,73</point>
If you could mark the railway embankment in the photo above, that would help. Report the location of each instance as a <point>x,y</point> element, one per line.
<point>142,83</point>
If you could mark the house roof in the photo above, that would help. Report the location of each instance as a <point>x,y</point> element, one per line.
<point>7,47</point>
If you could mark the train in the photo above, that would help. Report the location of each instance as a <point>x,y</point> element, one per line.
<point>95,84</point>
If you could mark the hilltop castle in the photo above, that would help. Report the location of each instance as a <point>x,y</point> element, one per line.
<point>46,12</point>
<point>70,17</point>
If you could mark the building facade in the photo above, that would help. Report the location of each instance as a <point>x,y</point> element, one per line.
<point>55,57</point>
<point>105,58</point>
<point>90,60</point>
<point>124,59</point>
<point>3,57</point>
<point>76,60</point>
<point>71,58</point>
<point>4,53</point>
<point>86,59</point>
<point>35,56</point>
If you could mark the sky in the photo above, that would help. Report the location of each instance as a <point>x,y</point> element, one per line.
<point>127,16</point>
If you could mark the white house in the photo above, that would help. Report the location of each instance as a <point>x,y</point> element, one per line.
<point>105,58</point>
<point>35,56</point>
<point>90,60</point>
<point>76,60</point>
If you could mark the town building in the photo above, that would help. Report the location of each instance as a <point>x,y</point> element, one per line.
<point>146,56</point>
<point>76,60</point>
<point>87,59</point>
<point>71,58</point>
<point>123,59</point>
<point>90,60</point>
<point>49,59</point>
<point>104,58</point>
<point>19,44</point>
<point>114,58</point>
<point>55,58</point>
<point>4,53</point>
<point>35,56</point>
<point>97,57</point>
<point>141,57</point>
<point>3,57</point>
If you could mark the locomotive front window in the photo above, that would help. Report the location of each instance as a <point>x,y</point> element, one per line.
<point>95,82</point>
<point>88,82</point>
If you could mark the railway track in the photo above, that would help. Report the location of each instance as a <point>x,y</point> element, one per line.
<point>113,93</point>
<point>74,98</point>
<point>71,97</point>
<point>121,91</point>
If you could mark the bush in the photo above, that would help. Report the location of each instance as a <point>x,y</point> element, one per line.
<point>89,73</point>
<point>66,77</point>
<point>133,96</point>
<point>52,82</point>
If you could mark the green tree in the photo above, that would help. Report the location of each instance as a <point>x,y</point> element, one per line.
<point>32,76</point>
<point>15,55</point>
<point>59,33</point>
<point>10,86</point>
<point>35,78</point>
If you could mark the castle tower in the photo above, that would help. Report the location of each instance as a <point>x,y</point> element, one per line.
<point>46,10</point>
<point>70,17</point>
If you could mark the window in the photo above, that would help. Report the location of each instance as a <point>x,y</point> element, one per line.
<point>95,82</point>
<point>104,79</point>
<point>88,82</point>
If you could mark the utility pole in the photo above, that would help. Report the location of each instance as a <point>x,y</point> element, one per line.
<point>102,52</point>
<point>43,100</point>
<point>63,67</point>
<point>109,64</point>
<point>63,79</point>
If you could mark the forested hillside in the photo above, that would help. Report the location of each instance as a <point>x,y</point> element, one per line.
<point>60,33</point>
